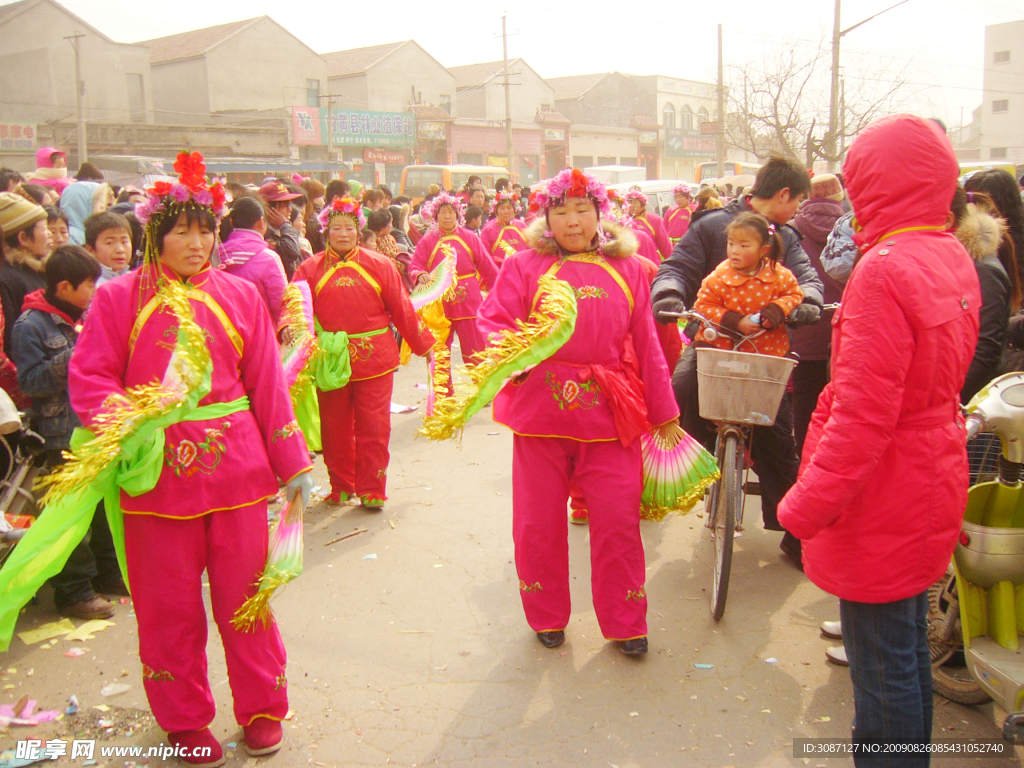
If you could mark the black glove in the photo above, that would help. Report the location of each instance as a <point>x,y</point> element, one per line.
<point>804,314</point>
<point>667,304</point>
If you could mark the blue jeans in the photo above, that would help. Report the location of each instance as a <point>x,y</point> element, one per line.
<point>887,645</point>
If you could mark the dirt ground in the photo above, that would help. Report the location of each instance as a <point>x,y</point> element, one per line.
<point>407,643</point>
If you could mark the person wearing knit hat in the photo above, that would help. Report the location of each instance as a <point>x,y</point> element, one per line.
<point>827,185</point>
<point>27,244</point>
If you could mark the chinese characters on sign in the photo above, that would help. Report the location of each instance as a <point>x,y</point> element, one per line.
<point>355,129</point>
<point>683,143</point>
<point>18,137</point>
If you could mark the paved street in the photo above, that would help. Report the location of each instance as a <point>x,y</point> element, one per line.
<point>407,643</point>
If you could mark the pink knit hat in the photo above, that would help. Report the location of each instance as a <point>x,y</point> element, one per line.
<point>827,185</point>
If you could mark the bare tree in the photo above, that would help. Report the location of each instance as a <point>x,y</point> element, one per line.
<point>780,104</point>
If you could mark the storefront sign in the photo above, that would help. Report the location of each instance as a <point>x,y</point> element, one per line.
<point>554,134</point>
<point>353,129</point>
<point>431,130</point>
<point>383,156</point>
<point>648,137</point>
<point>709,129</point>
<point>497,161</point>
<point>18,137</point>
<point>683,143</point>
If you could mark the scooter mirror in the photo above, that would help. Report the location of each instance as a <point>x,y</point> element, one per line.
<point>1001,405</point>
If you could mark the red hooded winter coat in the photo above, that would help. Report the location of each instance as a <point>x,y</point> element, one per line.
<point>883,483</point>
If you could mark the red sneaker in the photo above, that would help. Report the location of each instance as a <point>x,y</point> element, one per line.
<point>197,748</point>
<point>263,736</point>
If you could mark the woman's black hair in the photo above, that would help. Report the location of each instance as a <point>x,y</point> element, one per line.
<point>243,214</point>
<point>193,215</point>
<point>37,192</point>
<point>379,219</point>
<point>1002,188</point>
<point>765,231</point>
<point>53,213</point>
<point>366,234</point>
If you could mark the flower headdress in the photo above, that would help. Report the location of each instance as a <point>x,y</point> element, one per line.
<point>504,197</point>
<point>681,189</point>
<point>634,193</point>
<point>570,183</point>
<point>171,198</point>
<point>342,206</point>
<point>429,210</point>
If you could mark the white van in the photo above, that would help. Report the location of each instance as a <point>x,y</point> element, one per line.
<point>658,191</point>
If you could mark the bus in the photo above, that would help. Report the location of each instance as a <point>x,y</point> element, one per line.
<point>708,171</point>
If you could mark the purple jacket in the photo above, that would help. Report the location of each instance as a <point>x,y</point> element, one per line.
<point>245,254</point>
<point>815,221</point>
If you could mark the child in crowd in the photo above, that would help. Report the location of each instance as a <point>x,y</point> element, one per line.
<point>474,218</point>
<point>57,223</point>
<point>368,239</point>
<point>108,237</point>
<point>380,223</point>
<point>750,291</point>
<point>43,339</point>
<point>244,253</point>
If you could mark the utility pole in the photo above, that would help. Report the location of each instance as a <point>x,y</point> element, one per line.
<point>833,121</point>
<point>721,109</point>
<point>508,101</point>
<point>83,149</point>
<point>842,117</point>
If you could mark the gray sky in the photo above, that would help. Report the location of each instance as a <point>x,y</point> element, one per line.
<point>942,40</point>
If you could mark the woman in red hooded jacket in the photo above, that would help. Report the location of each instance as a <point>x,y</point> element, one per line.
<point>883,484</point>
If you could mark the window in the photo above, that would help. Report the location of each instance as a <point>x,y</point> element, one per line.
<point>417,182</point>
<point>471,158</point>
<point>1002,57</point>
<point>606,161</point>
<point>136,99</point>
<point>446,102</point>
<point>702,115</point>
<point>627,161</point>
<point>997,153</point>
<point>669,117</point>
<point>312,93</point>
<point>1001,105</point>
<point>581,162</point>
<point>686,118</point>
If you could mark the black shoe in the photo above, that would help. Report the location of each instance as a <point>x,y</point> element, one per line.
<point>790,546</point>
<point>551,639</point>
<point>114,586</point>
<point>635,647</point>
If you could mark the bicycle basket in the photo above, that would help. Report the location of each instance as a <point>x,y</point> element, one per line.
<point>741,387</point>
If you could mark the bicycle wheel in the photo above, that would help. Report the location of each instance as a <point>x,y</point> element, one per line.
<point>726,503</point>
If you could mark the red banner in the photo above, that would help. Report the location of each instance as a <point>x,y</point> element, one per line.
<point>383,156</point>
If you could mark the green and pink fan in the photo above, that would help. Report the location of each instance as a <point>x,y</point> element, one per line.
<point>442,278</point>
<point>674,478</point>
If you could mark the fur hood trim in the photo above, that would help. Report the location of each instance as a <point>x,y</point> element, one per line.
<point>26,258</point>
<point>621,243</point>
<point>981,234</point>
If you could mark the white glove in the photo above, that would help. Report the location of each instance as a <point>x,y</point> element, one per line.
<point>300,484</point>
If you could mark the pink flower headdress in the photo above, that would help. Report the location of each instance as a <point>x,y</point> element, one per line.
<point>171,198</point>
<point>681,189</point>
<point>342,206</point>
<point>504,197</point>
<point>634,193</point>
<point>570,183</point>
<point>430,210</point>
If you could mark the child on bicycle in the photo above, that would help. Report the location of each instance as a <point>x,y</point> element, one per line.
<point>749,291</point>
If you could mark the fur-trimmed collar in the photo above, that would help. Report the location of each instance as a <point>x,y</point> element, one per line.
<point>621,243</point>
<point>980,234</point>
<point>27,258</point>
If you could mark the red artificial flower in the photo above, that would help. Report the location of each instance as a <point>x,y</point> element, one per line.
<point>578,184</point>
<point>162,188</point>
<point>217,190</point>
<point>191,170</point>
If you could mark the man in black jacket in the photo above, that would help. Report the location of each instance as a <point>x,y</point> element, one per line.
<point>781,185</point>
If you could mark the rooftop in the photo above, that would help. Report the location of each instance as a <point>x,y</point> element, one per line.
<point>574,86</point>
<point>195,43</point>
<point>356,60</point>
<point>478,74</point>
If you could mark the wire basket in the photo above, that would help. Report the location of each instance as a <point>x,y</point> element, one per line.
<point>741,387</point>
<point>983,454</point>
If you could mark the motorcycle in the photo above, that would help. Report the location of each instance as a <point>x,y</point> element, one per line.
<point>976,612</point>
<point>21,460</point>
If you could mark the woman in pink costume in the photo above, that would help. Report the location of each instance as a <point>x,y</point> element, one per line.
<point>503,235</point>
<point>644,221</point>
<point>474,267</point>
<point>677,218</point>
<point>208,510</point>
<point>577,416</point>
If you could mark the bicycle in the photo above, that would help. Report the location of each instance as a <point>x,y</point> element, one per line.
<point>747,390</point>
